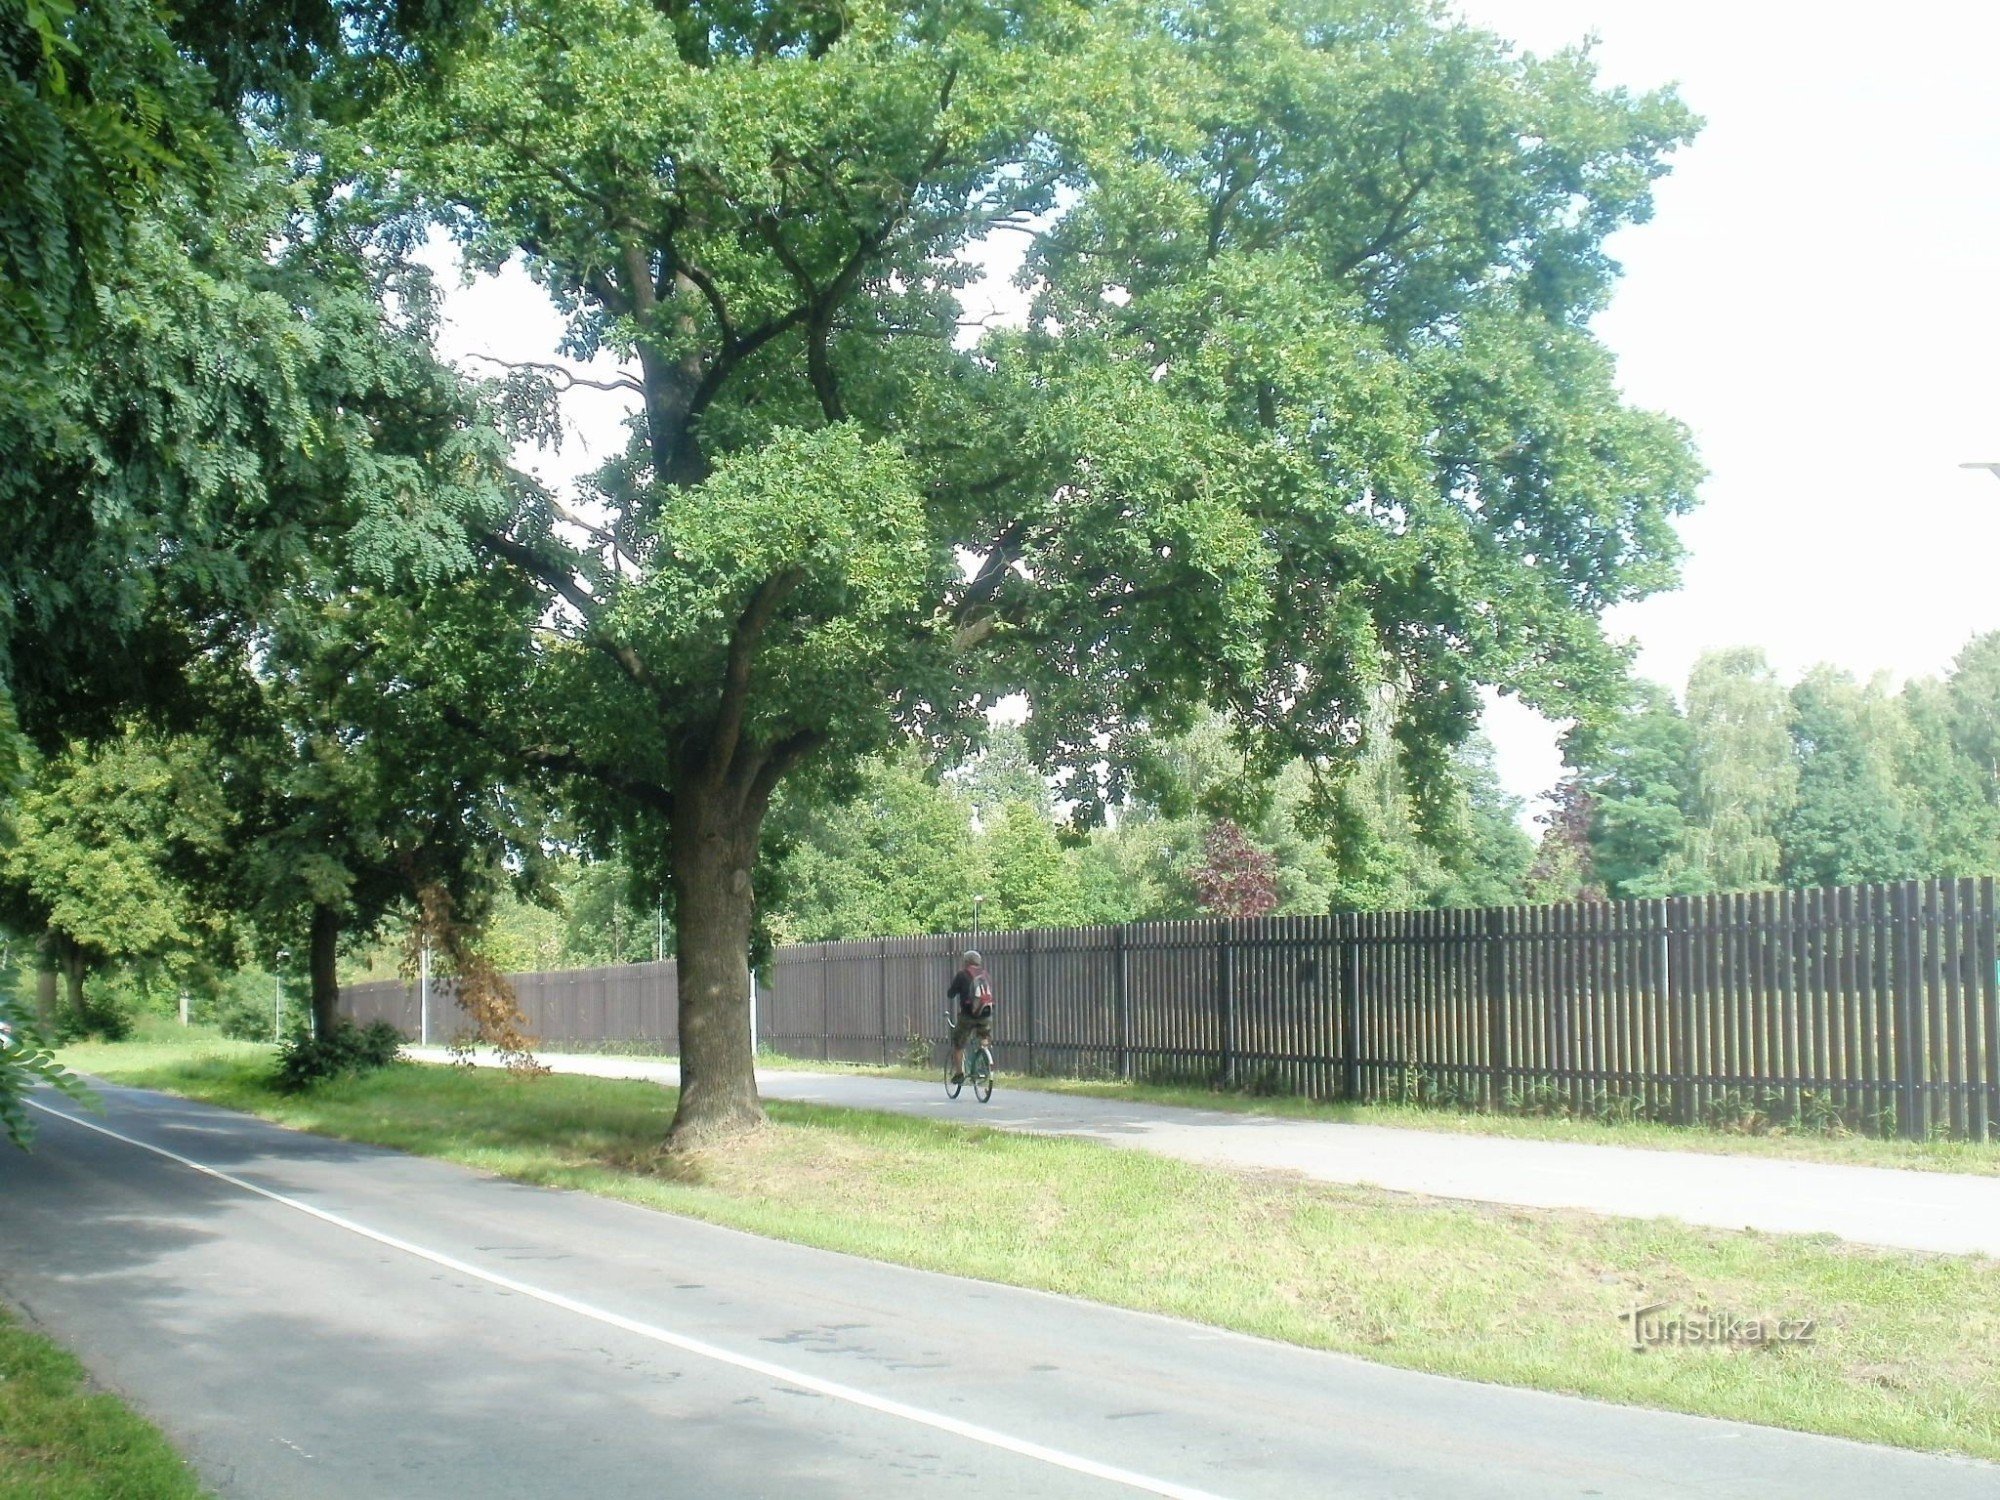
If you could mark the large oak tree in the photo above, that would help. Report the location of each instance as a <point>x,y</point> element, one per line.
<point>1305,411</point>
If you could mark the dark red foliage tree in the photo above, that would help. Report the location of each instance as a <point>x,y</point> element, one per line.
<point>1235,877</point>
<point>1565,869</point>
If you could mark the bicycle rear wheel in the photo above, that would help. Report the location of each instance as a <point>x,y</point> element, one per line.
<point>979,1068</point>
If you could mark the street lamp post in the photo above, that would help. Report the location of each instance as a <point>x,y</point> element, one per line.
<point>278,995</point>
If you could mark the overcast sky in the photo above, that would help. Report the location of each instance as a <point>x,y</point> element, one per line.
<point>1817,298</point>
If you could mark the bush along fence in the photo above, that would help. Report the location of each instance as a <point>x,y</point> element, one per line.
<point>1873,1007</point>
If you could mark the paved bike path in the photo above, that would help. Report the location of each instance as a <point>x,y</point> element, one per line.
<point>1942,1211</point>
<point>317,1320</point>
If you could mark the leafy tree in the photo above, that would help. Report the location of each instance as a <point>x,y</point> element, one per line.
<point>1305,278</point>
<point>1135,870</point>
<point>1295,831</point>
<point>1235,878</point>
<point>115,854</point>
<point>194,359</point>
<point>525,936</point>
<point>199,386</point>
<point>1381,860</point>
<point>1032,879</point>
<point>1638,770</point>
<point>581,913</point>
<point>1952,815</point>
<point>1743,776</point>
<point>100,120</point>
<point>896,859</point>
<point>611,916</point>
<point>1974,688</point>
<point>1564,868</point>
<point>362,788</point>
<point>1004,771</point>
<point>1484,852</point>
<point>1847,824</point>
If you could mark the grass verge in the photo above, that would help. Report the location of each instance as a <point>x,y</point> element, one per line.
<point>1979,1158</point>
<point>59,1440</point>
<point>1905,1347</point>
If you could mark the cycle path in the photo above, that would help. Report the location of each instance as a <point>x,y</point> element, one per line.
<point>1955,1213</point>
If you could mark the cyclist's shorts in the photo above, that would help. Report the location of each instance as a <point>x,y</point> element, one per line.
<point>965,1027</point>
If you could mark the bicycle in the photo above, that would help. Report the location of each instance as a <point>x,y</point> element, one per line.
<point>978,1066</point>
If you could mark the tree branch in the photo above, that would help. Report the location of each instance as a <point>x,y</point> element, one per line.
<point>550,575</point>
<point>704,283</point>
<point>786,754</point>
<point>1001,556</point>
<point>564,761</point>
<point>615,215</point>
<point>570,379</point>
<point>1392,231</point>
<point>743,643</point>
<point>546,571</point>
<point>720,370</point>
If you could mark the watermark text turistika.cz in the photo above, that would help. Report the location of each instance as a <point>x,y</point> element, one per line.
<point>1652,1327</point>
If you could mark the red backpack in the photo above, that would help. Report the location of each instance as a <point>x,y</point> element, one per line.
<point>982,993</point>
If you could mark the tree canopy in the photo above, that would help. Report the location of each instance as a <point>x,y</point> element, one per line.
<point>1829,782</point>
<point>1305,406</point>
<point>1305,416</point>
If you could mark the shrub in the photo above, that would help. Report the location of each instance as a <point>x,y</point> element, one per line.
<point>93,1020</point>
<point>1542,1097</point>
<point>239,1007</point>
<point>1176,1072</point>
<point>347,1050</point>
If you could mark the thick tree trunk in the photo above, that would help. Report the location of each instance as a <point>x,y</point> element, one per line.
<point>324,964</point>
<point>74,969</point>
<point>714,844</point>
<point>47,959</point>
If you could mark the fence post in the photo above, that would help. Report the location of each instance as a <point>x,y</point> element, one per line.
<point>882,990</point>
<point>1122,990</point>
<point>1225,956</point>
<point>1350,1006</point>
<point>1499,1051</point>
<point>1909,1005</point>
<point>1028,998</point>
<point>825,1010</point>
<point>1676,986</point>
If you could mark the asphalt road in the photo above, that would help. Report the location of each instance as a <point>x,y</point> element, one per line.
<point>307,1318</point>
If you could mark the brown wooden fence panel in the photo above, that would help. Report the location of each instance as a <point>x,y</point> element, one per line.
<point>1878,1004</point>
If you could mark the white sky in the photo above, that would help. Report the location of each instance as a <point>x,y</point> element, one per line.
<point>1817,298</point>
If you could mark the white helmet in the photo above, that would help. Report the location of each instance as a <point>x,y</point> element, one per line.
<point>971,956</point>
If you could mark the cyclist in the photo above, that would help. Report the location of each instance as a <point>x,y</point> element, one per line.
<point>971,997</point>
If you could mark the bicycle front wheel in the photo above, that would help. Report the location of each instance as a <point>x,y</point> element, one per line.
<point>979,1067</point>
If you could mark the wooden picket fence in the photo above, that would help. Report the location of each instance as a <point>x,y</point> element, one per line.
<point>1876,1007</point>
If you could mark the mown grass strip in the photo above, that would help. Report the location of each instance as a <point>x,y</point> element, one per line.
<point>1979,1158</point>
<point>59,1440</point>
<point>1905,1349</point>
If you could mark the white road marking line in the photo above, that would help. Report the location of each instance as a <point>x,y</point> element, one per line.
<point>1054,1456</point>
